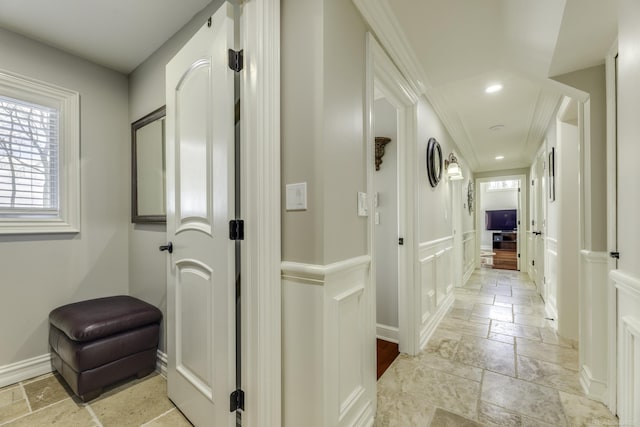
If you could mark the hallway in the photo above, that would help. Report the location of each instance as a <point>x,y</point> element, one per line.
<point>494,360</point>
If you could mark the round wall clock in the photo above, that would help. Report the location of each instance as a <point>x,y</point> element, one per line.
<point>434,162</point>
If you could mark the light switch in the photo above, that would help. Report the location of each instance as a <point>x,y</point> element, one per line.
<point>362,204</point>
<point>296,197</point>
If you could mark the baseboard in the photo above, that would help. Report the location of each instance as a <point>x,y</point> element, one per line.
<point>388,333</point>
<point>434,321</point>
<point>593,388</point>
<point>25,369</point>
<point>161,363</point>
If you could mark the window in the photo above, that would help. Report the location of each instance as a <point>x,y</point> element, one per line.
<point>507,185</point>
<point>39,157</point>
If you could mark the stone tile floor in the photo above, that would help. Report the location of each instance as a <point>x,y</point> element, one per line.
<point>46,401</point>
<point>494,360</point>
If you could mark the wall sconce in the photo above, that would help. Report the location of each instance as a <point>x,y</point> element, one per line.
<point>454,171</point>
<point>380,142</point>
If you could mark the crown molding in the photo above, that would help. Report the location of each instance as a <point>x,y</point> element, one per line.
<point>546,107</point>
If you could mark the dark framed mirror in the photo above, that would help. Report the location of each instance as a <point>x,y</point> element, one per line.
<point>148,168</point>
<point>434,162</point>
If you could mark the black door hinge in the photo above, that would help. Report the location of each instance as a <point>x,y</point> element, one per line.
<point>236,229</point>
<point>614,254</point>
<point>236,60</point>
<point>401,241</point>
<point>236,401</point>
<point>533,262</point>
<point>518,255</point>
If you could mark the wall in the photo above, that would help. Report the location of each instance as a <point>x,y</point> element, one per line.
<point>491,200</point>
<point>627,276</point>
<point>592,81</point>
<point>386,232</point>
<point>41,272</point>
<point>147,265</point>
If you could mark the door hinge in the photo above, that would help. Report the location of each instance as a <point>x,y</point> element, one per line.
<point>532,183</point>
<point>518,255</point>
<point>236,400</point>
<point>533,262</point>
<point>236,229</point>
<point>401,241</point>
<point>236,60</point>
<point>518,190</point>
<point>614,254</point>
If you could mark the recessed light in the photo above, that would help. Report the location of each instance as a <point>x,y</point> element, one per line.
<point>496,127</point>
<point>493,88</point>
<point>499,157</point>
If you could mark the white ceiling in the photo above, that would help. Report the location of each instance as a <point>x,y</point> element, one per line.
<point>119,34</point>
<point>452,48</point>
<point>459,47</point>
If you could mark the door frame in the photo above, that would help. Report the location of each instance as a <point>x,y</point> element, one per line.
<point>382,73</point>
<point>612,144</point>
<point>522,215</point>
<point>260,198</point>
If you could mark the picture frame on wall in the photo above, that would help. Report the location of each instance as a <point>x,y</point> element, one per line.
<point>552,174</point>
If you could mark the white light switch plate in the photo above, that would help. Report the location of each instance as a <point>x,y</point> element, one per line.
<point>296,196</point>
<point>362,204</point>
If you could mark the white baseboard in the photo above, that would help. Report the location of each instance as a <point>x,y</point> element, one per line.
<point>25,369</point>
<point>434,321</point>
<point>161,363</point>
<point>594,389</point>
<point>388,333</point>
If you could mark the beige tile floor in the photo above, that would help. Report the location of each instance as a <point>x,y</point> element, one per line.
<point>494,360</point>
<point>46,401</point>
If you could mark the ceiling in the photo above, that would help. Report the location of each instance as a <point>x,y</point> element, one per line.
<point>118,34</point>
<point>454,49</point>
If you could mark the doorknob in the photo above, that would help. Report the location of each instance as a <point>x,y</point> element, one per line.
<point>537,233</point>
<point>168,247</point>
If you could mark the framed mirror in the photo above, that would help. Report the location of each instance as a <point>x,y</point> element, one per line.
<point>148,169</point>
<point>434,162</point>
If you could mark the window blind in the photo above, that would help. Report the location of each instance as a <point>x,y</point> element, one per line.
<point>29,158</point>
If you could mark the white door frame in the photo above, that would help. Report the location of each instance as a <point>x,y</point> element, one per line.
<point>522,213</point>
<point>260,198</point>
<point>382,73</point>
<point>612,244</point>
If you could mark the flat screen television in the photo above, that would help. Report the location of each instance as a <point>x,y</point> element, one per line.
<point>501,220</point>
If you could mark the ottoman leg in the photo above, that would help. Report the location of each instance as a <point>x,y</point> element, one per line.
<point>145,372</point>
<point>91,395</point>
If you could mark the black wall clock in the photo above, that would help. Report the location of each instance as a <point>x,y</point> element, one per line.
<point>434,162</point>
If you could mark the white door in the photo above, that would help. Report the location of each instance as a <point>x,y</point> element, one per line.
<point>200,204</point>
<point>539,225</point>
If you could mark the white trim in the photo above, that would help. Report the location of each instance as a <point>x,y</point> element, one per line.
<point>260,133</point>
<point>434,320</point>
<point>612,205</point>
<point>382,74</point>
<point>25,369</point>
<point>317,272</point>
<point>387,333</point>
<point>625,282</point>
<point>593,388</point>
<point>433,243</point>
<point>161,363</point>
<point>67,102</point>
<point>595,257</point>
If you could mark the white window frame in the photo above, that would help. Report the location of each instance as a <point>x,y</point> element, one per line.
<point>67,102</point>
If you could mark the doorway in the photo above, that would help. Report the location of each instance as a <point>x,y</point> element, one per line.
<point>501,222</point>
<point>385,211</point>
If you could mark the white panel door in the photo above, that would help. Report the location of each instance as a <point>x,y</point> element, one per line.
<point>540,222</point>
<point>200,203</point>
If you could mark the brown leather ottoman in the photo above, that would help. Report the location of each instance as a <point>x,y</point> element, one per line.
<point>98,342</point>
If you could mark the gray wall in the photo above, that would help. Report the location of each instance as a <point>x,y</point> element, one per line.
<point>323,75</point>
<point>386,184</point>
<point>41,272</point>
<point>147,265</point>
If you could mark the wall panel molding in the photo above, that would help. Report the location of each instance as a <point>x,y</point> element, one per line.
<point>25,369</point>
<point>328,331</point>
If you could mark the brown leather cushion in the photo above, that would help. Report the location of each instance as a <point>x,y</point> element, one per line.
<point>81,356</point>
<point>97,318</point>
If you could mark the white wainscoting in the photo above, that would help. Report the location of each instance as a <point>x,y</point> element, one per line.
<point>468,255</point>
<point>436,284</point>
<point>593,323</point>
<point>328,337</point>
<point>628,346</point>
<point>551,278</point>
